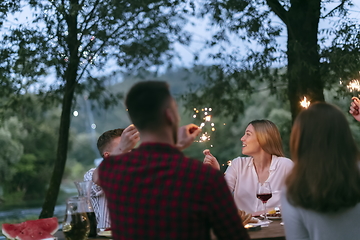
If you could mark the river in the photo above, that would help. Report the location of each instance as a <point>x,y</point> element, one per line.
<point>21,213</point>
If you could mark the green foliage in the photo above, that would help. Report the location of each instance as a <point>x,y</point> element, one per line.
<point>75,40</point>
<point>6,7</point>
<point>81,149</point>
<point>74,170</point>
<point>29,134</point>
<point>341,61</point>
<point>11,134</point>
<point>247,48</point>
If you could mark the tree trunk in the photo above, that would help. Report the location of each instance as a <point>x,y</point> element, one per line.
<point>303,57</point>
<point>55,182</point>
<point>70,78</point>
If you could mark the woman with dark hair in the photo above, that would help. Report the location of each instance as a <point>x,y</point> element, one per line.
<point>323,191</point>
<point>262,142</point>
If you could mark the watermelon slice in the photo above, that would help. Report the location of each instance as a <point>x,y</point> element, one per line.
<point>49,225</point>
<point>11,230</point>
<point>31,229</point>
<point>33,233</point>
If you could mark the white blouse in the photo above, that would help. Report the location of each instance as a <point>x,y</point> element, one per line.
<point>242,180</point>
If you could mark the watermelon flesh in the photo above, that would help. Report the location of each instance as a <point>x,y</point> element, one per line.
<point>11,230</point>
<point>31,229</point>
<point>33,233</point>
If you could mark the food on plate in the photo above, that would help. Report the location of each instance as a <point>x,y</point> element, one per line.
<point>273,211</point>
<point>32,229</point>
<point>247,217</point>
<point>274,215</point>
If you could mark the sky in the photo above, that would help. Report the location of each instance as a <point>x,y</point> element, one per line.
<point>200,33</point>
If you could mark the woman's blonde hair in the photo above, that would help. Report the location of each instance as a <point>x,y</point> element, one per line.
<point>268,136</point>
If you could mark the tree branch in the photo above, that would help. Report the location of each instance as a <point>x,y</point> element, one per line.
<point>278,9</point>
<point>341,5</point>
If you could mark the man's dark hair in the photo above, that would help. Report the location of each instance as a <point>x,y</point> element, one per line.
<point>105,139</point>
<point>145,101</point>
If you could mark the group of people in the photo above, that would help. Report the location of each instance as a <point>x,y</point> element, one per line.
<point>155,192</point>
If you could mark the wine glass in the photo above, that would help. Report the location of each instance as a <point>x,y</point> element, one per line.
<point>264,194</point>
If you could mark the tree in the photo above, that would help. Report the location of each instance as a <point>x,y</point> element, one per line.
<point>75,39</point>
<point>258,22</point>
<point>28,149</point>
<point>11,133</point>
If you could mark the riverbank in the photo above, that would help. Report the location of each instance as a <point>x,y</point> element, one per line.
<point>21,214</point>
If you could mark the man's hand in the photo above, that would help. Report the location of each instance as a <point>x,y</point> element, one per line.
<point>129,138</point>
<point>210,159</point>
<point>187,135</point>
<point>354,108</point>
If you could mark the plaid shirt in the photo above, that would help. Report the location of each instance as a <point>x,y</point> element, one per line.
<point>155,192</point>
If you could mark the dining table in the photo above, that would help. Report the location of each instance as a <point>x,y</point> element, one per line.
<point>274,231</point>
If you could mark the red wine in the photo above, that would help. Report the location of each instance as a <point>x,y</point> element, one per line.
<point>264,196</point>
<point>76,226</point>
<point>93,224</point>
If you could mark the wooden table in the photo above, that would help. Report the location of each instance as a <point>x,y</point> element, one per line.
<point>273,232</point>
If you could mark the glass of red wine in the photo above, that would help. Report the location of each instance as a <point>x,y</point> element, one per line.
<point>264,194</point>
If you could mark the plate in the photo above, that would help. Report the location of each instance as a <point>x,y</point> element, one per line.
<point>260,223</point>
<point>272,216</point>
<point>104,233</point>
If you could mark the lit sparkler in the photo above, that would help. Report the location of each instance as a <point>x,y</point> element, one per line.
<point>354,86</point>
<point>305,103</point>
<point>204,137</point>
<point>206,118</point>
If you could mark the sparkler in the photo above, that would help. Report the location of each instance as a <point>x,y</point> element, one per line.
<point>305,103</point>
<point>206,118</point>
<point>354,86</point>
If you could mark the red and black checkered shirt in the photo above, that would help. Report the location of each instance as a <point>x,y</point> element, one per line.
<point>155,192</point>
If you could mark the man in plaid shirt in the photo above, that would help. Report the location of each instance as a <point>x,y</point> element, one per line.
<point>155,191</point>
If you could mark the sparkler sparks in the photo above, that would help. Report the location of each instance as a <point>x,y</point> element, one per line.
<point>204,137</point>
<point>354,85</point>
<point>305,103</point>
<point>206,119</point>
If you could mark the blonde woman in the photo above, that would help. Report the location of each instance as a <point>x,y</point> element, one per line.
<point>266,163</point>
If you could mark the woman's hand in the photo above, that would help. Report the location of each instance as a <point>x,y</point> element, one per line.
<point>354,108</point>
<point>210,159</point>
